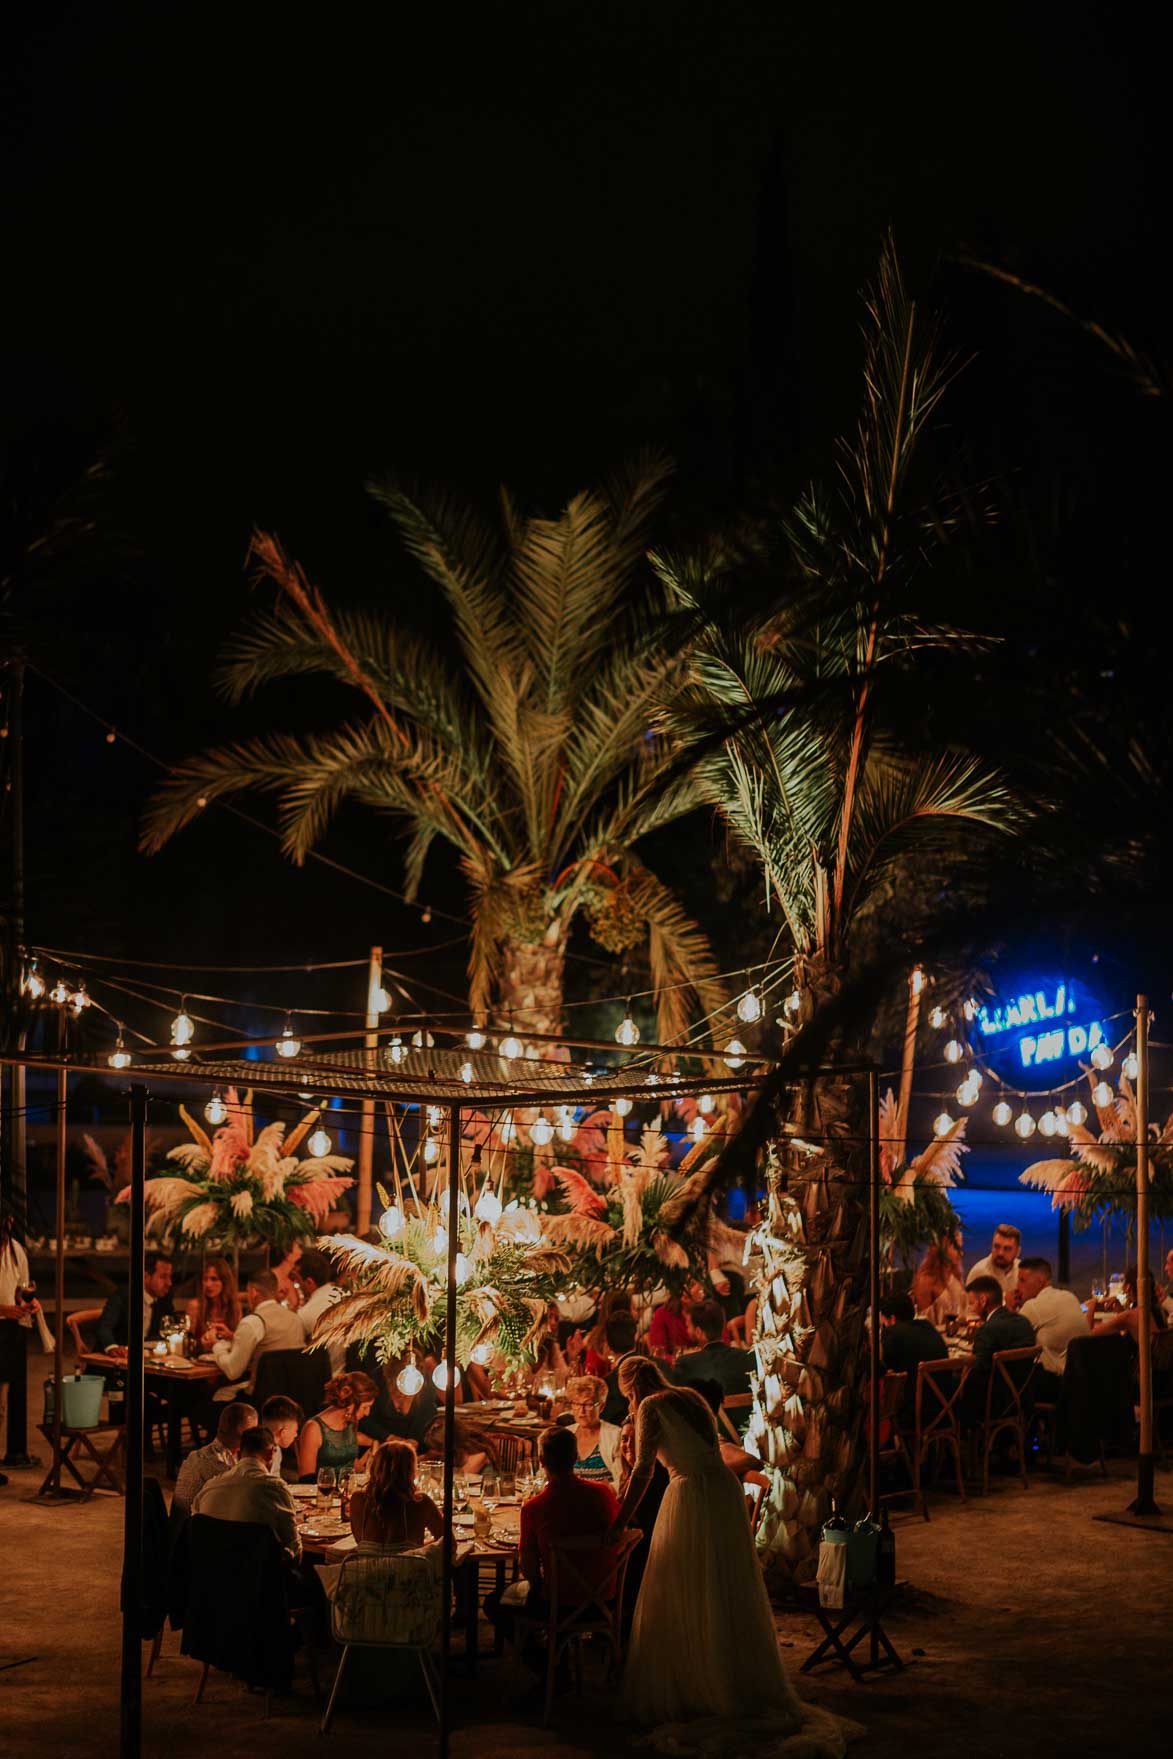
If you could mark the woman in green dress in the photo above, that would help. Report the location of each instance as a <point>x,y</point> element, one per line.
<point>332,1438</point>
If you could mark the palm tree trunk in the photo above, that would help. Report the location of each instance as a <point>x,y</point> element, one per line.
<point>529,990</point>
<point>807,1420</point>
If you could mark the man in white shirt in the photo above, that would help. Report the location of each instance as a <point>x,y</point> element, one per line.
<point>220,1455</point>
<point>1002,1261</point>
<point>250,1492</point>
<point>16,1324</point>
<point>269,1326</point>
<point>1057,1318</point>
<point>314,1272</point>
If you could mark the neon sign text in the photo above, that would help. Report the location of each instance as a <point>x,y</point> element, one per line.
<point>1051,1034</point>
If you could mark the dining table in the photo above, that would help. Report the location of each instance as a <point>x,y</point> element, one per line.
<point>179,1381</point>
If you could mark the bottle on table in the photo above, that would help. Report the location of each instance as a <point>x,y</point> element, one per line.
<point>885,1553</point>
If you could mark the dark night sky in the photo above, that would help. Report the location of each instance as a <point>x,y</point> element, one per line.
<point>484,244</point>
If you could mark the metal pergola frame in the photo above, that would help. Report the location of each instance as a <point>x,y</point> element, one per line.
<point>428,1075</point>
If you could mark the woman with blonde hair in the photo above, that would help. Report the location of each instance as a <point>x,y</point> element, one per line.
<point>216,1313</point>
<point>331,1438</point>
<point>598,1442</point>
<point>704,1654</point>
<point>391,1511</point>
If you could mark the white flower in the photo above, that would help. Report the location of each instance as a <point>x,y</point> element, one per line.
<point>242,1203</point>
<point>200,1220</point>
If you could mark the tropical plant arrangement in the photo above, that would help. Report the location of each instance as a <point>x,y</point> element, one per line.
<point>1099,1177</point>
<point>915,1210</point>
<point>243,1187</point>
<point>506,1278</point>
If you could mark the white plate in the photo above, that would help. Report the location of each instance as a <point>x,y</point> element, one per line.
<point>303,1490</point>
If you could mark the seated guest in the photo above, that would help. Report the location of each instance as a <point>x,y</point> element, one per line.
<point>216,1313</point>
<point>220,1455</point>
<point>598,1442</point>
<point>670,1331</point>
<point>550,1357</point>
<point>285,1418</point>
<point>112,1330</point>
<point>597,1356</point>
<point>620,1343</point>
<point>267,1326</point>
<point>473,1449</point>
<point>905,1342</point>
<point>740,1330</point>
<point>1056,1316</point>
<point>249,1492</point>
<point>391,1511</point>
<point>715,1360</point>
<point>319,1292</point>
<point>332,1438</point>
<point>1128,1320</point>
<point>405,1416</point>
<point>1002,1260</point>
<point>1000,1329</point>
<point>288,1275</point>
<point>736,1458</point>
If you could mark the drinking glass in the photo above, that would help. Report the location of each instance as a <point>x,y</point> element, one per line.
<point>459,1491</point>
<point>506,1486</point>
<point>327,1478</point>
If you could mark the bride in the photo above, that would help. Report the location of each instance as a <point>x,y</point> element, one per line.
<point>703,1663</point>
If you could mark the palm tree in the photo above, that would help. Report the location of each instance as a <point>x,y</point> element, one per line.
<point>812,777</point>
<point>523,734</point>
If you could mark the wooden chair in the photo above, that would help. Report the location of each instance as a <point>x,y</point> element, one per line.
<point>579,1608</point>
<point>734,1402</point>
<point>1009,1389</point>
<point>755,1485</point>
<point>102,1445</point>
<point>510,1452</point>
<point>892,1391</point>
<point>237,1616</point>
<point>391,1602</point>
<point>938,1422</point>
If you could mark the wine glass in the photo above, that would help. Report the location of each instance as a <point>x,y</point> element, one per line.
<point>489,1487</point>
<point>327,1478</point>
<point>507,1486</point>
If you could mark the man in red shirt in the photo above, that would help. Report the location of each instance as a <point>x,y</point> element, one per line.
<point>671,1329</point>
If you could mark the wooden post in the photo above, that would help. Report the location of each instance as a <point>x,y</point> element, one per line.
<point>916,984</point>
<point>366,1140</point>
<point>130,1726</point>
<point>59,1283</point>
<point>874,1290</point>
<point>453,1226</point>
<point>1143,1503</point>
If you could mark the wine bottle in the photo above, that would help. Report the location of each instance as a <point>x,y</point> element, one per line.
<point>885,1553</point>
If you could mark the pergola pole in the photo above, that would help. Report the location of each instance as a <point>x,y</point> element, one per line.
<point>873,1290</point>
<point>59,1283</point>
<point>1143,1503</point>
<point>366,1140</point>
<point>453,1226</point>
<point>130,1726</point>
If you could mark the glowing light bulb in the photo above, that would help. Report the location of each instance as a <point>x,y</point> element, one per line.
<point>942,1124</point>
<point>215,1111</point>
<point>917,980</point>
<point>440,1377</point>
<point>119,1057</point>
<point>79,1001</point>
<point>954,1051</point>
<point>1047,1124</point>
<point>1024,1125</point>
<point>481,1354</point>
<point>622,1106</point>
<point>1130,1067</point>
<point>488,1208</point>
<point>466,1073</point>
<point>749,1008</point>
<point>1077,1112</point>
<point>793,1002</point>
<point>1062,1127</point>
<point>567,1130</point>
<point>627,1032</point>
<point>463,1270</point>
<point>182,1028</point>
<point>651,1079</point>
<point>698,1129</point>
<point>1102,1094</point>
<point>434,1117</point>
<point>396,1051</point>
<point>970,1009</point>
<point>508,1129</point>
<point>1102,1057</point>
<point>431,1151</point>
<point>541,1131</point>
<point>1003,1113</point>
<point>475,1040</point>
<point>378,1001</point>
<point>422,1038</point>
<point>181,1053</point>
<point>509,1047</point>
<point>734,1054</point>
<point>391,1222</point>
<point>937,1018</point>
<point>34,983</point>
<point>287,1045</point>
<point>59,993</point>
<point>319,1143</point>
<point>706,1104</point>
<point>968,1093</point>
<point>409,1380</point>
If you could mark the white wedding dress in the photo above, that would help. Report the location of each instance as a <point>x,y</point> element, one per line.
<point>704,1667</point>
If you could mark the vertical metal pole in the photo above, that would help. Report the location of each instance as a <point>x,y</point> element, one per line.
<point>1064,1247</point>
<point>366,1140</point>
<point>1143,1503</point>
<point>874,1290</point>
<point>15,1136</point>
<point>59,1280</point>
<point>916,984</point>
<point>130,1727</point>
<point>453,1225</point>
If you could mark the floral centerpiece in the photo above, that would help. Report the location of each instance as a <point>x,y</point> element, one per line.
<point>240,1186</point>
<point>1099,1177</point>
<point>915,1210</point>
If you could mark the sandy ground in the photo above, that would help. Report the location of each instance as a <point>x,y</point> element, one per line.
<point>1029,1628</point>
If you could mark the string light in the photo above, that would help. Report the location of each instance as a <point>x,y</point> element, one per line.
<point>627,1032</point>
<point>287,1045</point>
<point>488,1207</point>
<point>541,1131</point>
<point>1077,1112</point>
<point>970,1009</point>
<point>435,1115</point>
<point>621,1106</point>
<point>431,1151</point>
<point>969,1092</point>
<point>509,1047</point>
<point>463,1270</point>
<point>1102,1057</point>
<point>391,1222</point>
<point>481,1354</point>
<point>439,1242</point>
<point>651,1079</point>
<point>749,1008</point>
<point>792,1003</point>
<point>319,1143</point>
<point>917,980</point>
<point>942,1124</point>
<point>1102,1094</point>
<point>1047,1126</point>
<point>1024,1125</point>
<point>59,993</point>
<point>182,1027</point>
<point>954,1051</point>
<point>34,983</point>
<point>937,1018</point>
<point>378,1002</point>
<point>181,1052</point>
<point>475,1040</point>
<point>508,1129</point>
<point>567,1128</point>
<point>698,1129</point>
<point>409,1380</point>
<point>734,1054</point>
<point>1003,1114</point>
<point>79,1001</point>
<point>119,1057</point>
<point>1130,1067</point>
<point>706,1104</point>
<point>1062,1128</point>
<point>466,1073</point>
<point>216,1111</point>
<point>396,1050</point>
<point>440,1377</point>
<point>422,1039</point>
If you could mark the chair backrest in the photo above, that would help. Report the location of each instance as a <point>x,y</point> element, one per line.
<point>389,1601</point>
<point>892,1390</point>
<point>300,1375</point>
<point>82,1325</point>
<point>1008,1373</point>
<point>734,1402</point>
<point>579,1597</point>
<point>938,1388</point>
<point>237,1615</point>
<point>507,1451</point>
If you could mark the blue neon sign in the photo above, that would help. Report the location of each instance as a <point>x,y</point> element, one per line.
<point>1040,1022</point>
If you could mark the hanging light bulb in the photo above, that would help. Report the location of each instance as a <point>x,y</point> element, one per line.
<point>567,1130</point>
<point>216,1111</point>
<point>793,1002</point>
<point>119,1057</point>
<point>942,1124</point>
<point>937,1018</point>
<point>698,1129</point>
<point>463,1270</point>
<point>439,1242</point>
<point>481,1354</point>
<point>59,993</point>
<point>409,1380</point>
<point>968,1093</point>
<point>621,1106</point>
<point>969,1009</point>
<point>182,1027</point>
<point>79,1001</point>
<point>378,1001</point>
<point>34,983</point>
<point>1024,1125</point>
<point>954,1051</point>
<point>509,1047</point>
<point>431,1151</point>
<point>541,1131</point>
<point>627,1032</point>
<point>1102,1057</point>
<point>1047,1124</point>
<point>975,1075</point>
<point>1102,1094</point>
<point>1062,1127</point>
<point>475,1040</point>
<point>749,1008</point>
<point>180,1052</point>
<point>319,1143</point>
<point>651,1079</point>
<point>287,1045</point>
<point>488,1207</point>
<point>734,1054</point>
<point>434,1117</point>
<point>507,1130</point>
<point>466,1073</point>
<point>391,1222</point>
<point>422,1038</point>
<point>706,1104</point>
<point>440,1377</point>
<point>1077,1112</point>
<point>396,1050</point>
<point>1003,1114</point>
<point>917,980</point>
<point>1130,1067</point>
